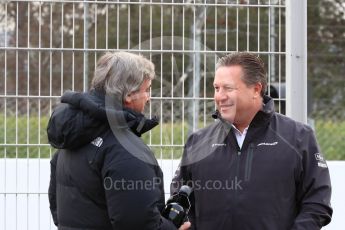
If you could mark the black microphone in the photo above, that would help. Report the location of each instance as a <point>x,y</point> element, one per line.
<point>177,207</point>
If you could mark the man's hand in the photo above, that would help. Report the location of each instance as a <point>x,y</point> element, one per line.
<point>185,226</point>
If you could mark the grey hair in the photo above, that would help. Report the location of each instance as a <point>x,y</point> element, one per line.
<point>253,68</point>
<point>121,73</point>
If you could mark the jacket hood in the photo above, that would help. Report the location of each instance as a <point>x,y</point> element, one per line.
<point>81,117</point>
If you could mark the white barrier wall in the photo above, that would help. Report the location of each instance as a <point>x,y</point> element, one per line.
<point>24,200</point>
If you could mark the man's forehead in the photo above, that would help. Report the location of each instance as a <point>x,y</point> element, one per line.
<point>224,80</point>
<point>226,76</point>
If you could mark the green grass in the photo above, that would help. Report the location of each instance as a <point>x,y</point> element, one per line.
<point>166,140</point>
<point>29,133</point>
<point>331,138</point>
<point>169,137</point>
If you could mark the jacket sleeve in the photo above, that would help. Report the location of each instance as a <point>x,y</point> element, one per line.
<point>183,177</point>
<point>52,188</point>
<point>132,195</point>
<point>314,187</point>
<point>180,179</point>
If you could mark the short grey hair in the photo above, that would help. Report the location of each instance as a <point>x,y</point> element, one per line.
<point>121,73</point>
<point>253,68</point>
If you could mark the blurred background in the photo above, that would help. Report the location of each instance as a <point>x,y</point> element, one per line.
<point>50,46</point>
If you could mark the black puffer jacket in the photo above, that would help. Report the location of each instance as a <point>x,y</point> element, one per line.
<point>102,177</point>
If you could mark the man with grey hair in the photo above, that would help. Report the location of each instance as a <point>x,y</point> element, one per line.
<point>253,168</point>
<point>103,176</point>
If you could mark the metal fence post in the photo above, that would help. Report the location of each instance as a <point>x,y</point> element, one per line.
<point>296,60</point>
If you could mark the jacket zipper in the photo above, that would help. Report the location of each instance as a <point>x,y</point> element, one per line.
<point>237,175</point>
<point>238,158</point>
<point>249,161</point>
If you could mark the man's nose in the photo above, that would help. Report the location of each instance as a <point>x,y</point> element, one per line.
<point>221,95</point>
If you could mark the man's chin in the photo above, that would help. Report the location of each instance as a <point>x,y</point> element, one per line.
<point>227,117</point>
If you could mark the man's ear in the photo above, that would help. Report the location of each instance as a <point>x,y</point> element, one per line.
<point>128,99</point>
<point>257,89</point>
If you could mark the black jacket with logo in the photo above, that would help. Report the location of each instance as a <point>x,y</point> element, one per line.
<point>277,180</point>
<point>102,177</point>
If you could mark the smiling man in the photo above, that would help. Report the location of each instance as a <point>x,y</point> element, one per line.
<point>236,101</point>
<point>253,168</point>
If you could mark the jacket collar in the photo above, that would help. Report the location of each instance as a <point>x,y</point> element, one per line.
<point>135,121</point>
<point>138,123</point>
<point>263,116</point>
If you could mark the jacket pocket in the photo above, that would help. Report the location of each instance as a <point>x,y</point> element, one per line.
<point>249,161</point>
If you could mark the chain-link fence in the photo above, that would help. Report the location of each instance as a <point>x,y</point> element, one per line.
<point>51,46</point>
<point>326,75</point>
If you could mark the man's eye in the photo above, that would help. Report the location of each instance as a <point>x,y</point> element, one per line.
<point>229,89</point>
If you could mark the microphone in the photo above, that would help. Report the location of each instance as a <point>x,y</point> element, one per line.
<point>177,207</point>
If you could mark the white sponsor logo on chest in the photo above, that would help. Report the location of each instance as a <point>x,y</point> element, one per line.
<point>216,144</point>
<point>268,143</point>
